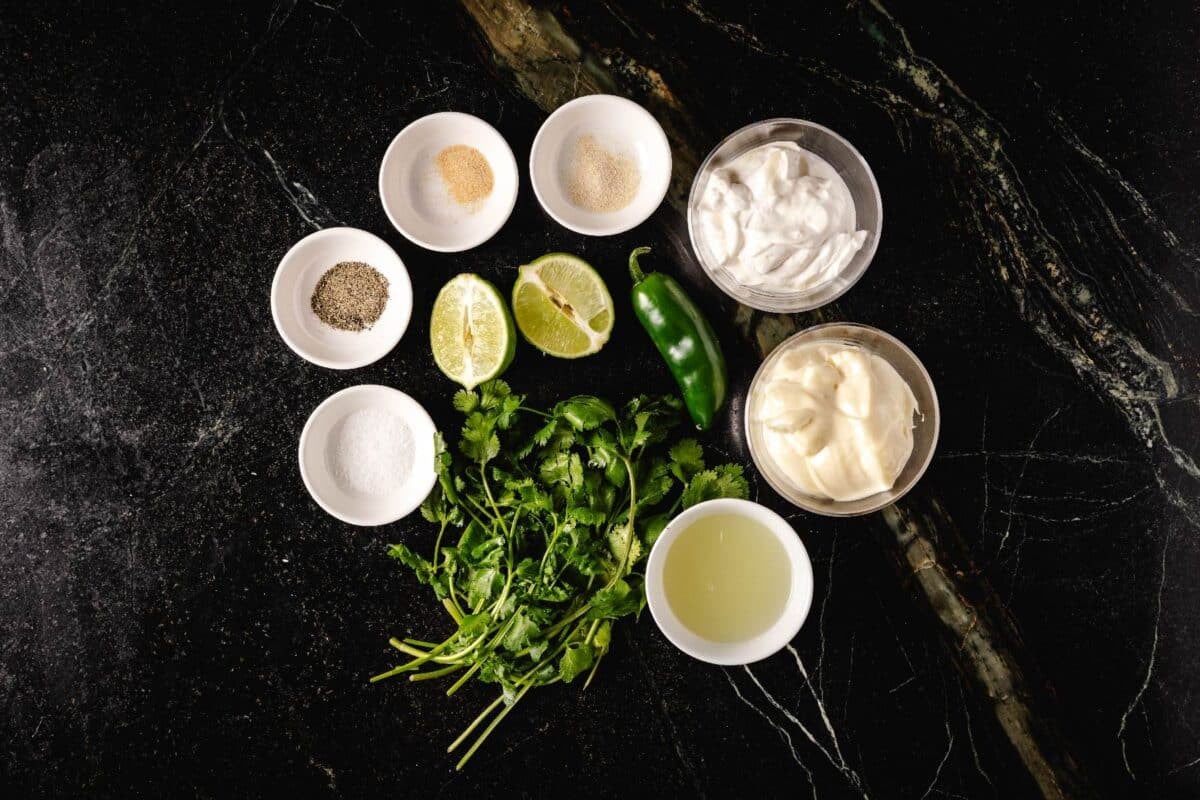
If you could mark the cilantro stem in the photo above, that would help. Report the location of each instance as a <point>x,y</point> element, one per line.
<point>482,510</point>
<point>407,648</point>
<point>434,673</point>
<point>482,716</point>
<point>384,675</point>
<point>451,604</point>
<point>550,545</point>
<point>492,726</point>
<point>592,674</point>
<point>411,665</point>
<point>567,620</point>
<point>420,643</point>
<point>466,676</point>
<point>499,604</point>
<point>437,545</point>
<point>632,531</point>
<point>458,654</point>
<point>487,491</point>
<point>527,685</point>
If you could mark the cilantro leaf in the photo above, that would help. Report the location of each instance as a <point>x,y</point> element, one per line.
<point>423,569</point>
<point>564,468</point>
<point>687,459</point>
<point>493,392</point>
<point>615,601</point>
<point>585,515</point>
<point>585,413</point>
<point>620,539</point>
<point>465,401</point>
<point>522,632</point>
<point>652,527</point>
<point>655,484</point>
<point>726,480</point>
<point>603,637</point>
<point>540,438</point>
<point>577,658</point>
<point>483,586</point>
<point>473,625</point>
<point>479,441</point>
<point>506,411</point>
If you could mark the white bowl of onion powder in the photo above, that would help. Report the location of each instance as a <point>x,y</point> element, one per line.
<point>367,455</point>
<point>600,165</point>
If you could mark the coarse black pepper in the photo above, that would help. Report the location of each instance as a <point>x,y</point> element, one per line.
<point>350,296</point>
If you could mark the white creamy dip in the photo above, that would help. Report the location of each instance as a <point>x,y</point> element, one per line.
<point>780,218</point>
<point>836,420</point>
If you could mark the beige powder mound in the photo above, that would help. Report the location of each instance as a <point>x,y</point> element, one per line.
<point>600,180</point>
<point>466,173</point>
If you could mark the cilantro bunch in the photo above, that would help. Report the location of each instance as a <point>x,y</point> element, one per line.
<point>554,512</point>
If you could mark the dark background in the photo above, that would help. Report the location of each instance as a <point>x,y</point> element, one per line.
<point>178,618</point>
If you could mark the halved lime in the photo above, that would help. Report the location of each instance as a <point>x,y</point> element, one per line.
<point>562,306</point>
<point>471,331</point>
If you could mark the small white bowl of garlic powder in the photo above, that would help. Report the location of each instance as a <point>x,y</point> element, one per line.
<point>367,454</point>
<point>600,165</point>
<point>784,215</point>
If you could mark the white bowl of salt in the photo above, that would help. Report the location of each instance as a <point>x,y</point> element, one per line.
<point>367,455</point>
<point>600,165</point>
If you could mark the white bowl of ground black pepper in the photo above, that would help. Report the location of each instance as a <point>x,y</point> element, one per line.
<point>341,298</point>
<point>448,181</point>
<point>600,165</point>
<point>367,454</point>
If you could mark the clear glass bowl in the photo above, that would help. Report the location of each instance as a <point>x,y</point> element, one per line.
<point>925,431</point>
<point>850,165</point>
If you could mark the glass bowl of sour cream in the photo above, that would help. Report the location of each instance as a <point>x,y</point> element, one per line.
<point>842,419</point>
<point>784,215</point>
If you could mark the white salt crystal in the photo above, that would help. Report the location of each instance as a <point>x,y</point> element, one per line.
<point>371,452</point>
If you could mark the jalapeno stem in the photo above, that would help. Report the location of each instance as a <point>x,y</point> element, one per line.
<point>635,269</point>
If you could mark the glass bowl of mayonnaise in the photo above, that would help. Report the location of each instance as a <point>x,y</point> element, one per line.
<point>784,215</point>
<point>842,419</point>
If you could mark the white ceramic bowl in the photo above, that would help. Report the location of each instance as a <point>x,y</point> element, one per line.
<point>297,276</point>
<point>343,502</point>
<point>620,126</point>
<point>415,197</point>
<point>767,643</point>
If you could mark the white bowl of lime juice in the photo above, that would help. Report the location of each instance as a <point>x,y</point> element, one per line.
<point>729,582</point>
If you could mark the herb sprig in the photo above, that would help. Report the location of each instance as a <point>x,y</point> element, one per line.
<point>557,508</point>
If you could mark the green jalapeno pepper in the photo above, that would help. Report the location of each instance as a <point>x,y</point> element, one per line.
<point>684,338</point>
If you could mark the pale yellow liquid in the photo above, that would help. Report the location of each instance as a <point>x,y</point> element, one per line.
<point>727,578</point>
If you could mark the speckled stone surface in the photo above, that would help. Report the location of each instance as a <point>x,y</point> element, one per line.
<point>179,619</point>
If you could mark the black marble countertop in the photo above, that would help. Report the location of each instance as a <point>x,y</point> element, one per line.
<point>178,618</point>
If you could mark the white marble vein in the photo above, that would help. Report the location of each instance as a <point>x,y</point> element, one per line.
<point>1137,698</point>
<point>971,737</point>
<point>783,733</point>
<point>941,764</point>
<point>831,750</point>
<point>1021,475</point>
